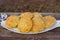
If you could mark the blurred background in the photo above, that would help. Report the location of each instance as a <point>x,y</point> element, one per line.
<point>30,5</point>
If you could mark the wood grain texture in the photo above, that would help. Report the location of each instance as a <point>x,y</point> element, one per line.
<point>50,35</point>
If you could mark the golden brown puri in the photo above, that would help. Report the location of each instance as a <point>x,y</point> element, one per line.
<point>49,21</point>
<point>26,15</point>
<point>30,22</point>
<point>25,23</point>
<point>38,23</point>
<point>12,21</point>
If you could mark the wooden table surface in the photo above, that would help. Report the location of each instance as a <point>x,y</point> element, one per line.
<point>50,35</point>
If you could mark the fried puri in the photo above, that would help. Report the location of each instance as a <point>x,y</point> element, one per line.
<point>26,15</point>
<point>25,23</point>
<point>49,21</point>
<point>12,21</point>
<point>38,23</point>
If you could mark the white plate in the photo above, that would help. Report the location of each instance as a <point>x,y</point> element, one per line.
<point>57,24</point>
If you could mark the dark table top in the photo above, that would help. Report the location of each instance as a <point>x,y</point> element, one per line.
<point>50,35</point>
